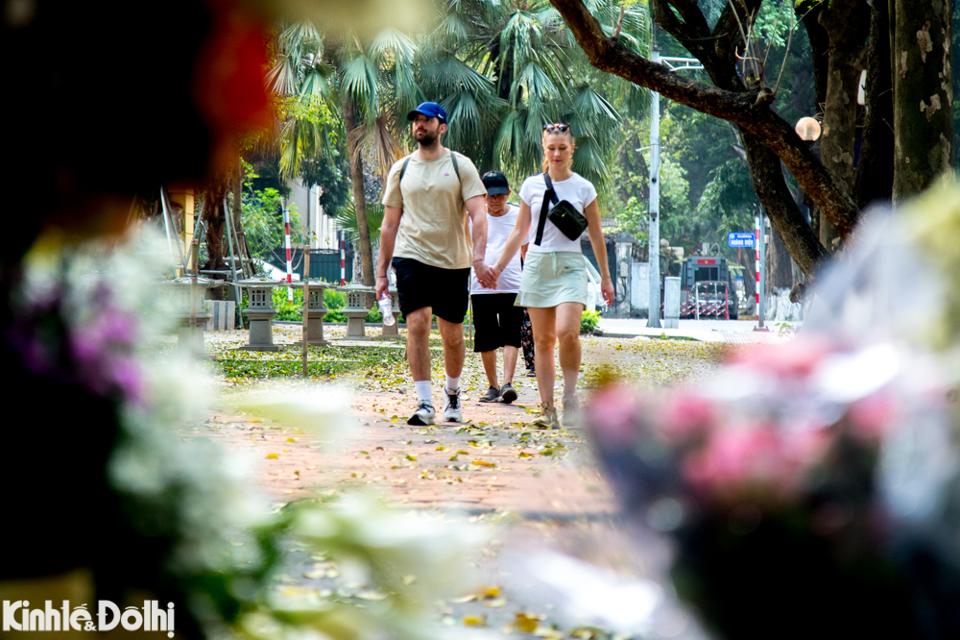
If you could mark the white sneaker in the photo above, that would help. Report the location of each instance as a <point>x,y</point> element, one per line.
<point>423,416</point>
<point>451,411</point>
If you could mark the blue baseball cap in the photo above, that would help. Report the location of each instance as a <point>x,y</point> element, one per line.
<point>430,110</point>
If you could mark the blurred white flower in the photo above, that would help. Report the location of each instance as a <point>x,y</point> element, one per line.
<point>324,410</point>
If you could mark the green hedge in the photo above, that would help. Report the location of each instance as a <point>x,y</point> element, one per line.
<point>589,321</point>
<point>334,301</point>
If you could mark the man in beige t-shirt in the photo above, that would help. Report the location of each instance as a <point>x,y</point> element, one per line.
<point>424,238</point>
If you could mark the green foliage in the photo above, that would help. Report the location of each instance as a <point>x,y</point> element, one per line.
<point>323,362</point>
<point>374,314</point>
<point>589,321</point>
<point>262,217</point>
<point>310,122</point>
<point>629,194</point>
<point>334,301</point>
<point>514,68</point>
<point>332,172</point>
<point>287,310</point>
<point>347,220</point>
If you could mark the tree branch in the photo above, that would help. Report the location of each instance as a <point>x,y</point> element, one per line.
<point>692,31</point>
<point>750,110</point>
<point>729,30</point>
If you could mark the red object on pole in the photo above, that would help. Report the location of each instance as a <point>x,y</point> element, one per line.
<point>289,251</point>
<point>756,230</point>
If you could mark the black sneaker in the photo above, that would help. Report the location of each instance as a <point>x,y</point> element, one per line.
<point>492,395</point>
<point>507,394</point>
<point>531,373</point>
<point>423,416</point>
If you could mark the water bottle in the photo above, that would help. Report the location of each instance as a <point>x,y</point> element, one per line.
<point>386,310</point>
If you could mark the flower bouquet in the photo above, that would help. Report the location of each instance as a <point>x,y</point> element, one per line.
<point>812,489</point>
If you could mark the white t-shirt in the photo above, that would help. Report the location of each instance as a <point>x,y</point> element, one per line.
<point>498,230</point>
<point>576,190</point>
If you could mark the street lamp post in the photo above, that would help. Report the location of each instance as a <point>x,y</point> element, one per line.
<point>674,64</point>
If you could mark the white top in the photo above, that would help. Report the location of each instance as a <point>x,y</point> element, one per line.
<point>498,230</point>
<point>576,190</point>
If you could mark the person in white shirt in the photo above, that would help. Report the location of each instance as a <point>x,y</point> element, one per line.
<point>554,282</point>
<point>496,319</point>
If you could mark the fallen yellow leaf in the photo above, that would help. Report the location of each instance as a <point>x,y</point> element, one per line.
<point>273,456</point>
<point>475,621</point>
<point>483,463</point>
<point>490,592</point>
<point>526,622</point>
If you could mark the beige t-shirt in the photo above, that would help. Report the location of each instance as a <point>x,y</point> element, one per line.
<point>433,226</point>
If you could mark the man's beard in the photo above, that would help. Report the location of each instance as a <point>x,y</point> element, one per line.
<point>426,139</point>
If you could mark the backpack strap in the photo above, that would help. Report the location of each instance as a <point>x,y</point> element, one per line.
<point>456,166</point>
<point>403,167</point>
<point>453,159</point>
<point>548,196</point>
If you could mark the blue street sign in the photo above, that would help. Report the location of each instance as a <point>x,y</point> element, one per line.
<point>741,240</point>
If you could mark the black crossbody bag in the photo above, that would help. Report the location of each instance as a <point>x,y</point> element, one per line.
<point>562,214</point>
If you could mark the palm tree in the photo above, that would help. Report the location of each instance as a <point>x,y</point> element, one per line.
<point>539,75</point>
<point>370,85</point>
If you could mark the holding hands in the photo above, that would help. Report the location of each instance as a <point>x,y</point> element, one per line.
<point>486,275</point>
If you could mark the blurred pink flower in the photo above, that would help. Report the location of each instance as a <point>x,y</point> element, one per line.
<point>686,414</point>
<point>101,350</point>
<point>737,458</point>
<point>794,359</point>
<point>871,417</point>
<point>613,413</point>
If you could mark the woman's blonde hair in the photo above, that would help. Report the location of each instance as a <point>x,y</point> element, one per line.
<point>556,130</point>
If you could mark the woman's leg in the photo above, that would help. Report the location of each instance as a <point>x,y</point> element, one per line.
<point>544,337</point>
<point>568,334</point>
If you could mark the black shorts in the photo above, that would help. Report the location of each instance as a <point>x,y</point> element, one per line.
<point>496,321</point>
<point>419,285</point>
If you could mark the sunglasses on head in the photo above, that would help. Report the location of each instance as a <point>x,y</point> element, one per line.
<point>556,127</point>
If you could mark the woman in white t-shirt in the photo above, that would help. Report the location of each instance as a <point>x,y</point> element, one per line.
<point>554,282</point>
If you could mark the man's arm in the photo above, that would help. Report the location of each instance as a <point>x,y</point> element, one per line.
<point>477,209</point>
<point>388,238</point>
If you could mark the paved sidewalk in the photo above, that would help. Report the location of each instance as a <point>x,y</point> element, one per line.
<point>722,331</point>
<point>541,487</point>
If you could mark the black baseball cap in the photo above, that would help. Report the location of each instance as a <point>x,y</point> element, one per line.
<point>496,183</point>
<point>430,110</point>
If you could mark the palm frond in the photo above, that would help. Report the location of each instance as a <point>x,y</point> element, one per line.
<point>539,86</point>
<point>394,45</point>
<point>347,220</point>
<point>359,81</point>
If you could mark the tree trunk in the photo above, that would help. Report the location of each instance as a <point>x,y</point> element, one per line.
<point>785,216</point>
<point>779,263</point>
<point>922,94</point>
<point>819,49</point>
<point>359,200</point>
<point>215,219</point>
<point>875,171</point>
<point>847,25</point>
<point>749,108</point>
